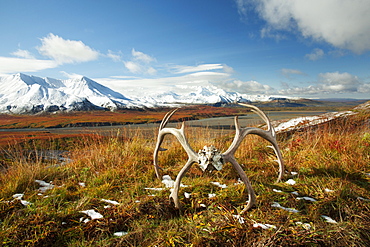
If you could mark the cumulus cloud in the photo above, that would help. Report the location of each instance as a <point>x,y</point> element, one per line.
<point>343,24</point>
<point>316,54</point>
<point>339,82</point>
<point>140,63</point>
<point>331,83</point>
<point>248,87</point>
<point>66,51</point>
<point>58,50</point>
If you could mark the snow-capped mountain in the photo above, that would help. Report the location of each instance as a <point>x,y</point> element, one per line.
<point>22,93</point>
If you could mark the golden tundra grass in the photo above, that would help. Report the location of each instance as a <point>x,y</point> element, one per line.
<point>332,162</point>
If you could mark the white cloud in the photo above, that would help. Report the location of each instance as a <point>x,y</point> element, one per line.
<point>71,75</point>
<point>248,87</point>
<point>136,86</point>
<point>10,65</point>
<point>142,57</point>
<point>331,83</point>
<point>23,54</point>
<point>343,24</point>
<point>339,82</point>
<point>288,72</point>
<point>66,51</point>
<point>316,54</point>
<point>179,69</point>
<point>116,57</point>
<point>133,67</point>
<point>139,64</point>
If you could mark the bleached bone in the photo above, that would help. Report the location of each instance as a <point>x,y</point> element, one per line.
<point>209,158</point>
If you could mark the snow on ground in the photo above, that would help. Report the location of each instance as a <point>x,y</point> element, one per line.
<point>301,122</point>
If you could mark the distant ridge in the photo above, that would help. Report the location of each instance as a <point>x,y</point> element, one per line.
<point>21,93</point>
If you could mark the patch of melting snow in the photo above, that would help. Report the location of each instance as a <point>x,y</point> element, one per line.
<point>19,197</point>
<point>238,182</point>
<point>291,182</point>
<point>223,186</point>
<point>239,218</point>
<point>155,189</point>
<point>92,214</point>
<point>44,185</point>
<point>277,205</point>
<point>306,226</point>
<point>328,190</point>
<point>167,180</point>
<point>297,123</point>
<point>264,226</point>
<point>306,198</point>
<point>277,191</point>
<point>120,234</point>
<point>363,199</point>
<point>328,219</point>
<point>211,195</point>
<point>110,201</point>
<point>187,195</point>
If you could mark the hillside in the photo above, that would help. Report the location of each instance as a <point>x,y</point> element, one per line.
<point>104,191</point>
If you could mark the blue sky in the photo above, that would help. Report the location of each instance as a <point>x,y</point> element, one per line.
<point>314,49</point>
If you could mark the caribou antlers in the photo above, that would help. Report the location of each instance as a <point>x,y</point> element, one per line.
<point>209,158</point>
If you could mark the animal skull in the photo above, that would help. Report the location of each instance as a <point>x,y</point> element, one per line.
<point>210,158</point>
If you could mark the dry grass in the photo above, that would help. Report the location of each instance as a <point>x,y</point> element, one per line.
<point>335,156</point>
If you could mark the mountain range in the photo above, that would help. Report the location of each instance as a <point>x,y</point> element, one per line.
<point>21,93</point>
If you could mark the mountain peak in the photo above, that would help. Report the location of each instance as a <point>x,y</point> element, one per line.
<point>21,93</point>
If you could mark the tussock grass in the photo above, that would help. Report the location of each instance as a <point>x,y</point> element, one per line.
<point>332,162</point>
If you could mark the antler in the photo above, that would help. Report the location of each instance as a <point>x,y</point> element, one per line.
<point>214,157</point>
<point>193,157</point>
<point>240,134</point>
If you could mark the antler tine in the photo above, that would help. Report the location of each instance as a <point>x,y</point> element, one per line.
<point>166,118</point>
<point>178,133</point>
<point>240,134</point>
<point>262,115</point>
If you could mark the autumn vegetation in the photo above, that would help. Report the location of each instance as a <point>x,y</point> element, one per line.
<point>330,163</point>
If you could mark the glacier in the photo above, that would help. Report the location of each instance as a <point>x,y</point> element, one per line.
<point>21,93</point>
